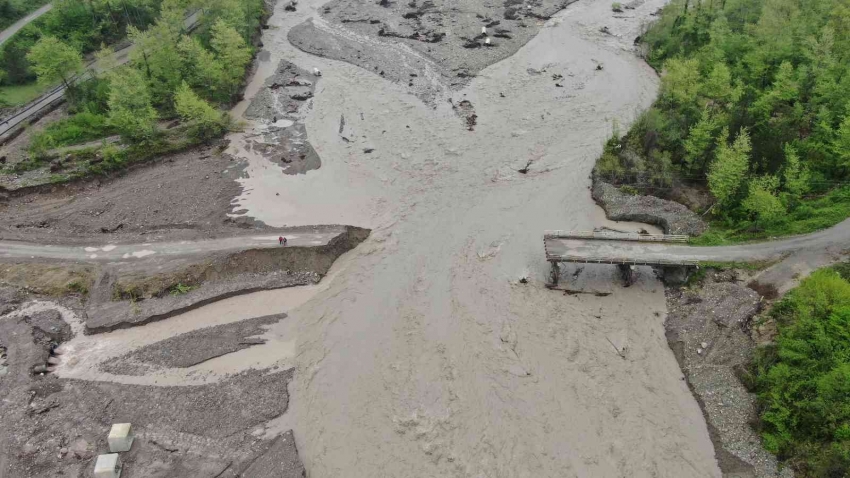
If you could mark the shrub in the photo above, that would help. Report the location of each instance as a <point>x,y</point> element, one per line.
<point>205,121</point>
<point>76,129</point>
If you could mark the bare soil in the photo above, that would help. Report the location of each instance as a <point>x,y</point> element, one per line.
<point>138,205</point>
<point>57,427</point>
<point>708,329</point>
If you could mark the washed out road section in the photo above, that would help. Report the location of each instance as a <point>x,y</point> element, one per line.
<point>128,252</point>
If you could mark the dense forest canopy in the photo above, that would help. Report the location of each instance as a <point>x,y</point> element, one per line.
<point>753,104</point>
<point>172,72</point>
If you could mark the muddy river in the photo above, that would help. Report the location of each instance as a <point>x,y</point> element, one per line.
<point>423,354</point>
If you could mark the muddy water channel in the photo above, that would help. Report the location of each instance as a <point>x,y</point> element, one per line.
<point>424,354</point>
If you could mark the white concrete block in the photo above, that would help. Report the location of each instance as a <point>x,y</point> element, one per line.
<point>107,466</point>
<point>120,437</point>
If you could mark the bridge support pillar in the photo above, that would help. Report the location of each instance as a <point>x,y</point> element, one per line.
<point>627,272</point>
<point>554,273</point>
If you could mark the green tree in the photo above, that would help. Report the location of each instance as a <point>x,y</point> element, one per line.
<point>130,109</point>
<point>206,122</point>
<point>841,145</point>
<point>700,139</point>
<point>729,169</point>
<point>681,82</point>
<point>795,175</point>
<point>105,60</point>
<point>232,53</point>
<point>201,69</point>
<point>53,60</point>
<point>762,201</point>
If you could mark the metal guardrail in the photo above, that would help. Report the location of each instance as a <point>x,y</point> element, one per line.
<point>615,236</point>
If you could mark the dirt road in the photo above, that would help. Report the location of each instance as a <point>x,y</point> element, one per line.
<point>15,27</point>
<point>426,356</point>
<point>125,252</point>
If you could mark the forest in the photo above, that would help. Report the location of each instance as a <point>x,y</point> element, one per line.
<point>803,380</point>
<point>174,71</point>
<point>752,111</point>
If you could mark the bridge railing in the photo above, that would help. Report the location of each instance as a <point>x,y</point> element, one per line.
<point>620,260</point>
<point>615,236</point>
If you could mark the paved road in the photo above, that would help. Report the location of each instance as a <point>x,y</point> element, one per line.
<point>132,252</point>
<point>10,32</point>
<point>835,239</point>
<point>36,106</point>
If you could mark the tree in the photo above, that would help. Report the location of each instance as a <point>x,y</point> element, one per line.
<point>105,60</point>
<point>232,52</point>
<point>762,201</point>
<point>130,109</point>
<point>794,175</point>
<point>201,69</point>
<point>841,145</point>
<point>53,60</point>
<point>681,82</point>
<point>206,121</point>
<point>729,169</point>
<point>699,141</point>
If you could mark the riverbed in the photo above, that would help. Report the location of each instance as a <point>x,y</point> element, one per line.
<point>435,349</point>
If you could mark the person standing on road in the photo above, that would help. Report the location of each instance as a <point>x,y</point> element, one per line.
<point>284,240</point>
<point>280,240</point>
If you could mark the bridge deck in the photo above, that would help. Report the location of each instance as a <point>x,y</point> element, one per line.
<point>617,248</point>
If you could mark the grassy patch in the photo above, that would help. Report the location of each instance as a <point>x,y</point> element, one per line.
<point>181,289</point>
<point>810,216</point>
<point>80,128</point>
<point>14,95</point>
<point>697,276</point>
<point>48,279</point>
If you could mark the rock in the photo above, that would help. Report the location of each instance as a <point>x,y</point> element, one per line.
<point>48,327</point>
<point>302,96</point>
<point>704,345</point>
<point>671,216</point>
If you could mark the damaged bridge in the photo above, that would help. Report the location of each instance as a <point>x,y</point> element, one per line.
<point>625,250</point>
<point>671,253</point>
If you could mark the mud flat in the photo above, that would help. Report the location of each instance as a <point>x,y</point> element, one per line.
<point>427,45</point>
<point>141,204</point>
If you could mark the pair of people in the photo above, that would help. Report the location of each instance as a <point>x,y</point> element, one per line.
<point>281,240</point>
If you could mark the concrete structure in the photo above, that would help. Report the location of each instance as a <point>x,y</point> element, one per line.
<point>107,466</point>
<point>120,437</point>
